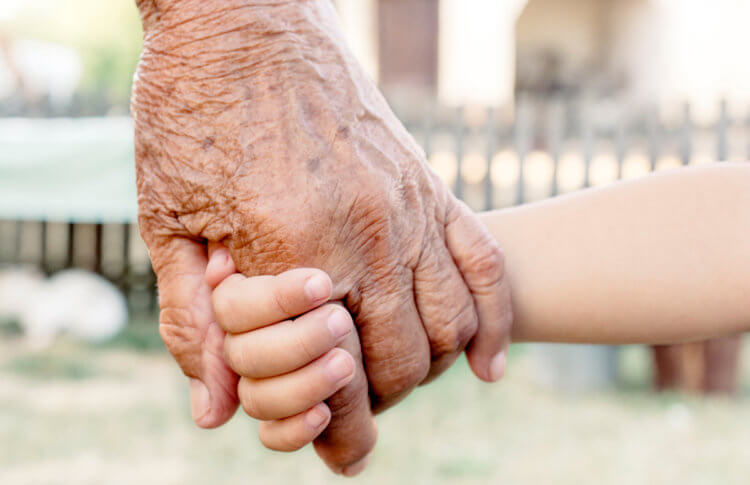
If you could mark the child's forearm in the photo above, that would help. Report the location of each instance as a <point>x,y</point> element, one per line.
<point>661,259</point>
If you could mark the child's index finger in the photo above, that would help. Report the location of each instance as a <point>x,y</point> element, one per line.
<point>242,304</point>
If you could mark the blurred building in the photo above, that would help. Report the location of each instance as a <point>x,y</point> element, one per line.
<point>486,51</point>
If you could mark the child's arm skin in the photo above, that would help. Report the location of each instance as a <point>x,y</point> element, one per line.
<point>660,259</point>
<point>664,258</point>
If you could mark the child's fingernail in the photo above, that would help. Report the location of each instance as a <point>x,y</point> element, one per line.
<point>339,323</point>
<point>317,288</point>
<point>316,417</point>
<point>200,401</point>
<point>340,367</point>
<point>497,367</point>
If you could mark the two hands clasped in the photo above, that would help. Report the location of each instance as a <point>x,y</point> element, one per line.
<point>293,349</point>
<point>607,266</point>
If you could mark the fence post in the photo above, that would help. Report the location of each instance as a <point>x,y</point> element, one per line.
<point>459,144</point>
<point>43,246</point>
<point>721,126</point>
<point>686,147</point>
<point>98,231</point>
<point>653,135</point>
<point>620,142</point>
<point>427,128</point>
<point>489,189</point>
<point>587,138</point>
<point>71,242</point>
<point>556,126</point>
<point>520,136</point>
<point>17,226</point>
<point>125,274</point>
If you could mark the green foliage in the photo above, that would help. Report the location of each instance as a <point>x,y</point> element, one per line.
<point>107,35</point>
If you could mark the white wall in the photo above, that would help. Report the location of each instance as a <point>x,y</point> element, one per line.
<point>359,21</point>
<point>477,51</point>
<point>677,51</point>
<point>572,28</point>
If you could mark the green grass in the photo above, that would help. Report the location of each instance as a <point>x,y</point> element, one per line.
<point>51,366</point>
<point>119,413</point>
<point>141,334</point>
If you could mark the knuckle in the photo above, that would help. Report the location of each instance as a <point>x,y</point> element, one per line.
<point>273,439</point>
<point>238,357</point>
<point>249,401</point>
<point>456,332</point>
<point>284,301</point>
<point>182,339</point>
<point>399,379</point>
<point>221,311</point>
<point>485,267</point>
<point>300,337</point>
<point>222,306</point>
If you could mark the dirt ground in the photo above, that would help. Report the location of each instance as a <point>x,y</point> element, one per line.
<point>119,414</point>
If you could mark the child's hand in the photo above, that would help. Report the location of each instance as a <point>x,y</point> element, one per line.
<point>289,367</point>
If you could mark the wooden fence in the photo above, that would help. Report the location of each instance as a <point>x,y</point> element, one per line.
<point>491,159</point>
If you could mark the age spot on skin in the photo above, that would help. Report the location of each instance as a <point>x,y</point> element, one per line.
<point>313,164</point>
<point>208,142</point>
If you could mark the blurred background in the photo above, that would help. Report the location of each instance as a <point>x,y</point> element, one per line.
<point>513,101</point>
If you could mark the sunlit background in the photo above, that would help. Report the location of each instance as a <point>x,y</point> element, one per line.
<point>513,101</point>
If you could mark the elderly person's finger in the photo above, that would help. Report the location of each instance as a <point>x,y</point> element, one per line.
<point>481,262</point>
<point>293,433</point>
<point>445,306</point>
<point>394,343</point>
<point>187,328</point>
<point>286,346</point>
<point>348,440</point>
<point>292,393</point>
<point>276,298</point>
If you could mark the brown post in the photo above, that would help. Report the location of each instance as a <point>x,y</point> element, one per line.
<point>408,44</point>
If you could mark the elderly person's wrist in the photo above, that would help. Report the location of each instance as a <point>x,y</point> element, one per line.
<point>279,43</point>
<point>197,20</point>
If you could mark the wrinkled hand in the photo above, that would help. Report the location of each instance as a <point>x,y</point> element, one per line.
<point>255,127</point>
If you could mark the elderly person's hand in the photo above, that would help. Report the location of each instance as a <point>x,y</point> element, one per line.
<point>256,128</point>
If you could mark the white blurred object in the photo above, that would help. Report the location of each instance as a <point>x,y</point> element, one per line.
<point>76,302</point>
<point>573,367</point>
<point>40,69</point>
<point>679,417</point>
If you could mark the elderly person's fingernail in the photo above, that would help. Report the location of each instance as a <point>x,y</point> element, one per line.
<point>356,468</point>
<point>317,288</point>
<point>497,366</point>
<point>200,400</point>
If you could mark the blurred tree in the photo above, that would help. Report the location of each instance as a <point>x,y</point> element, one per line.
<point>107,35</point>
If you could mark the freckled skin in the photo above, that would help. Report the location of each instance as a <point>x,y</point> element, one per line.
<point>254,126</point>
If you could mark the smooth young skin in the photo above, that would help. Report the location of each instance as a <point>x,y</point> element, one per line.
<point>256,127</point>
<point>661,259</point>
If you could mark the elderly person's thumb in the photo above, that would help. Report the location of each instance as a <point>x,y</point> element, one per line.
<point>189,330</point>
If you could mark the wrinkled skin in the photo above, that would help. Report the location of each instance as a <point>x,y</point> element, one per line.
<point>257,129</point>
